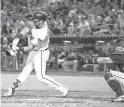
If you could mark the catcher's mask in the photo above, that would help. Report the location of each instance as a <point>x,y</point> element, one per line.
<point>117,42</point>
<point>120,42</point>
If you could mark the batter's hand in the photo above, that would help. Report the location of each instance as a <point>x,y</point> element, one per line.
<point>13,52</point>
<point>15,48</point>
<point>14,44</point>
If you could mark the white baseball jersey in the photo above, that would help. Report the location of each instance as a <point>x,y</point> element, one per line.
<point>39,38</point>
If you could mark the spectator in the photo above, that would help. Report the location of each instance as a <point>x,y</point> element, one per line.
<point>71,61</point>
<point>3,54</point>
<point>72,12</point>
<point>96,66</point>
<point>23,42</point>
<point>81,59</point>
<point>71,29</point>
<point>8,44</point>
<point>96,27</point>
<point>122,4</point>
<point>104,28</point>
<point>52,7</point>
<point>61,59</point>
<point>55,26</point>
<point>51,62</point>
<point>121,23</point>
<point>83,25</point>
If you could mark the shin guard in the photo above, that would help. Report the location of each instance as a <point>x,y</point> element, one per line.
<point>114,83</point>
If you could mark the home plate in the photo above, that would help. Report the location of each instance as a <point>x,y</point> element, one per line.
<point>30,99</point>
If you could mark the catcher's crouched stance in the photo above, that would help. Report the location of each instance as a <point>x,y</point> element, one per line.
<point>38,56</point>
<point>115,79</point>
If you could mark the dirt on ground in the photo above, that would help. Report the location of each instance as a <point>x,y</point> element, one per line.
<point>44,98</point>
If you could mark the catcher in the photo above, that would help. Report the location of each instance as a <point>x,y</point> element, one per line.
<point>115,79</point>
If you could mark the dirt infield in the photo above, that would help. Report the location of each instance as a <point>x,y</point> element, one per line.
<point>47,98</point>
<point>86,90</point>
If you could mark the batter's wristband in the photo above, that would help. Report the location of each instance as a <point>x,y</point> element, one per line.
<point>21,48</point>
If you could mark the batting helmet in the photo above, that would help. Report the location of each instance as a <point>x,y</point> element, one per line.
<point>40,15</point>
<point>29,16</point>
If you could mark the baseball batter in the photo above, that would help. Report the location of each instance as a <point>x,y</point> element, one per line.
<point>38,56</point>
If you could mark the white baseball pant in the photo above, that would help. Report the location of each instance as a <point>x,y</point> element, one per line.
<point>37,60</point>
<point>118,75</point>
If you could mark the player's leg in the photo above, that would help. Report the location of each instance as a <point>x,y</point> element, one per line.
<point>75,64</point>
<point>40,68</point>
<point>21,78</point>
<point>115,80</point>
<point>65,65</point>
<point>96,67</point>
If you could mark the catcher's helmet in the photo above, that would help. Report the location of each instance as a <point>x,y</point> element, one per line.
<point>40,15</point>
<point>119,41</point>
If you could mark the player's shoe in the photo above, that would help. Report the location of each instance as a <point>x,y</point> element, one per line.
<point>65,92</point>
<point>118,99</point>
<point>10,92</point>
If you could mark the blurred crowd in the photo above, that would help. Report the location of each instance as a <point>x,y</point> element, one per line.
<point>65,17</point>
<point>70,17</point>
<point>87,17</point>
